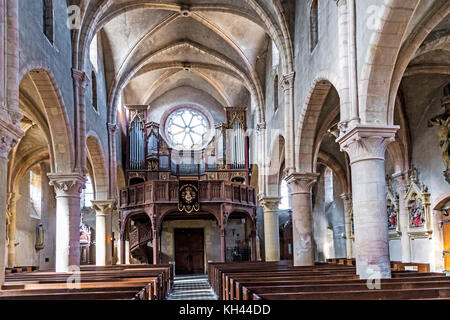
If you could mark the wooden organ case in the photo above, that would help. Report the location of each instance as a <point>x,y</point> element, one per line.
<point>154,169</point>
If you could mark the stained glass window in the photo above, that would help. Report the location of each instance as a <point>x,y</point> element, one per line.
<point>187,129</point>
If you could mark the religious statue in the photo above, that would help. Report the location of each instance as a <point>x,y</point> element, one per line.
<point>417,214</point>
<point>39,238</point>
<point>392,217</point>
<point>443,124</point>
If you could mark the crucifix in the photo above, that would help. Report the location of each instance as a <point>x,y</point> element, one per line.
<point>443,123</point>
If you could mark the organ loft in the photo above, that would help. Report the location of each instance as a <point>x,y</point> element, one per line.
<point>224,150</point>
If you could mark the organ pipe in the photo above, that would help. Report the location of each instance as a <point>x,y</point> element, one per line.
<point>137,146</point>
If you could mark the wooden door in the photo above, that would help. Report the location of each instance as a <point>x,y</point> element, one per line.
<point>189,251</point>
<point>446,236</point>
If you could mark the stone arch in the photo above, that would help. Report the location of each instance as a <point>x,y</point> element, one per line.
<point>278,31</point>
<point>62,146</point>
<point>307,130</point>
<point>274,21</point>
<point>97,159</point>
<point>412,48</point>
<point>331,162</point>
<point>393,19</point>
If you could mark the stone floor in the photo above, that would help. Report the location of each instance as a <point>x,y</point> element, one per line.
<point>192,288</point>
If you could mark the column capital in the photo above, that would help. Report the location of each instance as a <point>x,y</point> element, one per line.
<point>346,197</point>
<point>301,183</point>
<point>70,184</point>
<point>104,207</point>
<point>80,79</point>
<point>112,127</point>
<point>9,137</point>
<point>270,203</point>
<point>366,142</point>
<point>288,81</point>
<point>261,126</point>
<point>80,76</point>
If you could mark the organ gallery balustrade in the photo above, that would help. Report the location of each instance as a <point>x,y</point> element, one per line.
<point>154,192</point>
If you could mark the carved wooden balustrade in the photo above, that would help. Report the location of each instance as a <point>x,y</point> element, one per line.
<point>159,198</point>
<point>140,236</point>
<point>166,192</point>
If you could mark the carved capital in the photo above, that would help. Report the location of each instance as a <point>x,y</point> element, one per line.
<point>67,185</point>
<point>346,197</point>
<point>367,142</point>
<point>288,81</point>
<point>261,127</point>
<point>270,204</point>
<point>104,207</point>
<point>112,128</point>
<point>9,137</point>
<point>301,183</point>
<point>80,79</point>
<point>15,117</point>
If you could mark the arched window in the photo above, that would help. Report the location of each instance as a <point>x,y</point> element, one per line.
<point>47,7</point>
<point>94,91</point>
<point>187,129</point>
<point>87,195</point>
<point>93,53</point>
<point>35,192</point>
<point>329,188</point>
<point>275,55</point>
<point>285,203</point>
<point>314,24</point>
<point>275,93</point>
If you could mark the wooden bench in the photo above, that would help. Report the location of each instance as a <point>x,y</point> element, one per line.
<point>332,281</point>
<point>136,282</point>
<point>21,269</point>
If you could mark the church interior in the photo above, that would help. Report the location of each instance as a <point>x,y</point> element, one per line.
<point>259,149</point>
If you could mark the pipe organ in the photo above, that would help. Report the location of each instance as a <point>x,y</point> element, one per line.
<point>150,156</point>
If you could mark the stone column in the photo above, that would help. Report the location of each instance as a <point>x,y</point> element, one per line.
<point>402,180</point>
<point>103,231</point>
<point>68,189</point>
<point>344,93</point>
<point>366,147</point>
<point>80,82</point>
<point>347,201</point>
<point>112,132</point>
<point>302,224</point>
<point>271,228</point>
<point>261,135</point>
<point>11,230</point>
<point>288,88</point>
<point>253,236</point>
<point>9,137</point>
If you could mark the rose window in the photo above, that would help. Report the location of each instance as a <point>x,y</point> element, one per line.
<point>187,129</point>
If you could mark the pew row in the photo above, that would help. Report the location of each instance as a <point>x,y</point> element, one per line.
<point>331,281</point>
<point>125,282</point>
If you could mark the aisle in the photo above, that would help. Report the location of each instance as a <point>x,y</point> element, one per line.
<point>192,288</point>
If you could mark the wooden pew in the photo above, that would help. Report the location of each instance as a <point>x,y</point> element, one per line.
<point>135,282</point>
<point>333,281</point>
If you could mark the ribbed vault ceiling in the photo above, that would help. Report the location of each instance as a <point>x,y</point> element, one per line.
<point>152,48</point>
